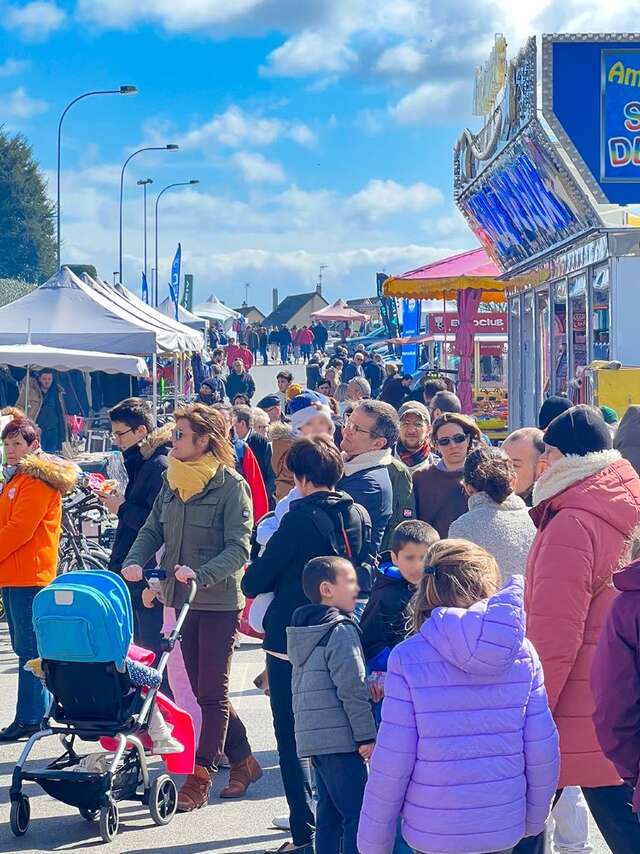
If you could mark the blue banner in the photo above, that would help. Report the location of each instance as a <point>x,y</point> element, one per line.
<point>411,311</point>
<point>174,287</point>
<point>145,289</point>
<point>620,127</point>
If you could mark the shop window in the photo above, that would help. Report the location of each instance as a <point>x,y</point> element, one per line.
<point>600,314</point>
<point>543,347</point>
<point>514,362</point>
<point>559,339</point>
<point>529,411</point>
<point>578,355</point>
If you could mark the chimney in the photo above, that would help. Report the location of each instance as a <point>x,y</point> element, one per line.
<point>319,289</point>
<point>274,293</point>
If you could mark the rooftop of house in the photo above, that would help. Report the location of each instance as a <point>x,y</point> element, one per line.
<point>289,307</point>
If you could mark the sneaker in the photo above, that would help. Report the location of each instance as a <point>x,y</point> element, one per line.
<point>167,745</point>
<point>282,822</point>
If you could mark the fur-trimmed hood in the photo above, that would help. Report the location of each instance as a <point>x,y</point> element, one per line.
<point>158,438</point>
<point>60,474</point>
<point>280,430</point>
<point>570,470</point>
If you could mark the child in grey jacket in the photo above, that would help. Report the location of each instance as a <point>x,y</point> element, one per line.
<point>333,719</point>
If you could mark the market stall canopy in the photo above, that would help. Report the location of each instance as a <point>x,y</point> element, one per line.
<point>339,311</point>
<point>442,279</point>
<point>60,359</point>
<point>168,307</point>
<point>176,336</point>
<point>65,312</point>
<point>213,309</point>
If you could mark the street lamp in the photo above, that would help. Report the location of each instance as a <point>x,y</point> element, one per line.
<point>160,194</point>
<point>144,183</point>
<point>170,147</point>
<point>123,90</point>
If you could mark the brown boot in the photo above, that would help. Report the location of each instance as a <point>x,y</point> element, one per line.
<point>241,776</point>
<point>194,792</point>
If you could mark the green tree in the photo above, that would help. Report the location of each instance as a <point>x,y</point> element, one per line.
<point>27,243</point>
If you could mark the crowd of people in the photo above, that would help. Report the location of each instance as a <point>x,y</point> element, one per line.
<point>451,651</point>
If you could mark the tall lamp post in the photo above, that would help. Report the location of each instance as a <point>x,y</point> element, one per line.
<point>159,196</point>
<point>144,184</point>
<point>170,147</point>
<point>123,90</point>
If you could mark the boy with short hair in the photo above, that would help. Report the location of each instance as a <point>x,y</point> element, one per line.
<point>333,720</point>
<point>385,618</point>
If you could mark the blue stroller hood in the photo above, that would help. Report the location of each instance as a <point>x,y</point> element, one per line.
<point>85,617</point>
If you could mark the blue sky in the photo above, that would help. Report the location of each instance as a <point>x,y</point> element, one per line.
<point>321,130</point>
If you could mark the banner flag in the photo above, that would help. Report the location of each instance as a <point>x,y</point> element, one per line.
<point>174,287</point>
<point>145,289</point>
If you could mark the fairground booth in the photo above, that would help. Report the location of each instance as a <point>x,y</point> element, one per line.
<point>547,197</point>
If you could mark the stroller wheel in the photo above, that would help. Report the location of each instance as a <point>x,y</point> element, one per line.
<point>109,821</point>
<point>20,815</point>
<point>163,799</point>
<point>89,815</point>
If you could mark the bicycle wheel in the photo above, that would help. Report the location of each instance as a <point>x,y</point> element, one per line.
<point>86,560</point>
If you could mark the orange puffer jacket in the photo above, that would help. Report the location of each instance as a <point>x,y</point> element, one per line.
<point>584,509</point>
<point>30,516</point>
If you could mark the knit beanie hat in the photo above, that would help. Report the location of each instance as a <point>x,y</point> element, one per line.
<point>304,406</point>
<point>579,430</point>
<point>609,414</point>
<point>552,406</point>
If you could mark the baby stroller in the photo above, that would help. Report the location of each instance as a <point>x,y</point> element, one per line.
<point>84,625</point>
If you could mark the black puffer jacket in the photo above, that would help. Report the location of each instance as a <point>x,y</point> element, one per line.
<point>294,544</point>
<point>384,623</point>
<point>145,464</point>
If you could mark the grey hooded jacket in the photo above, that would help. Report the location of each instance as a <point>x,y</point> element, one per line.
<point>330,696</point>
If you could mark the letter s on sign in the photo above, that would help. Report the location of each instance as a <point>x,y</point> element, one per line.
<point>632,116</point>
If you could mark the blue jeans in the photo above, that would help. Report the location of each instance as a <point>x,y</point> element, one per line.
<point>341,778</point>
<point>33,698</point>
<point>284,353</point>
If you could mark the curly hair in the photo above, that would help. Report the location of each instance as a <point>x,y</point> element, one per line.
<point>490,470</point>
<point>457,575</point>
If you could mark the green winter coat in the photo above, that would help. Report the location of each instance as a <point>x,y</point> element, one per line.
<point>404,501</point>
<point>210,533</point>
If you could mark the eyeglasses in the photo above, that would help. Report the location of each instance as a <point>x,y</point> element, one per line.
<point>116,435</point>
<point>355,429</point>
<point>458,439</point>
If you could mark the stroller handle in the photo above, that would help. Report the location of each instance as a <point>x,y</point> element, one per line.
<point>158,574</point>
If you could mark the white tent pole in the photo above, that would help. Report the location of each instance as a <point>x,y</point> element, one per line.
<point>154,378</point>
<point>176,380</point>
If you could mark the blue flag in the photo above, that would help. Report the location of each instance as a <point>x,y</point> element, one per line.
<point>174,287</point>
<point>145,289</point>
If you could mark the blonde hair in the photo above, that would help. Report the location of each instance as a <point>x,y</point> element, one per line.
<point>457,574</point>
<point>207,421</point>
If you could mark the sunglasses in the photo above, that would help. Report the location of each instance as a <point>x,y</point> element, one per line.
<point>458,439</point>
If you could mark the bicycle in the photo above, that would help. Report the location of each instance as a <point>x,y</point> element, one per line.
<point>76,550</point>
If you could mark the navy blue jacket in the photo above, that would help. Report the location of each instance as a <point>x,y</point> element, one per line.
<point>372,489</point>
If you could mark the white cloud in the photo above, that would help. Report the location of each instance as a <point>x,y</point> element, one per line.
<point>310,53</point>
<point>256,169</point>
<point>35,21</point>
<point>432,100</point>
<point>186,16</point>
<point>19,105</point>
<point>381,199</point>
<point>403,58</point>
<point>236,127</point>
<point>11,67</point>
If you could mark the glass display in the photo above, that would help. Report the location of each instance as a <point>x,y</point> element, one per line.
<point>600,314</point>
<point>578,352</point>
<point>543,347</point>
<point>559,339</point>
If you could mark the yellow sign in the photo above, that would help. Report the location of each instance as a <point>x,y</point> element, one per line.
<point>490,78</point>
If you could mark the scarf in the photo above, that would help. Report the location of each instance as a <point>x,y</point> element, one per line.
<point>414,458</point>
<point>368,460</point>
<point>189,479</point>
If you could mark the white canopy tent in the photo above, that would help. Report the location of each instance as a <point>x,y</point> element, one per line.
<point>168,307</point>
<point>38,356</point>
<point>213,309</point>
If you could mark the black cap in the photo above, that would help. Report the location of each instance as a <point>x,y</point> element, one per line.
<point>552,406</point>
<point>269,402</point>
<point>579,430</point>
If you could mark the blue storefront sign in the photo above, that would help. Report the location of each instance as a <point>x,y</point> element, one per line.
<point>591,99</point>
<point>411,311</point>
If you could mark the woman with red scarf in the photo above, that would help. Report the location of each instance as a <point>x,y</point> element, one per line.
<point>413,446</point>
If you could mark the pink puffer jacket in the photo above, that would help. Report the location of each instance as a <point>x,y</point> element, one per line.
<point>467,751</point>
<point>585,509</point>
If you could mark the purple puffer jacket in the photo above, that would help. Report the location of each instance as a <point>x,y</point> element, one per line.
<point>467,751</point>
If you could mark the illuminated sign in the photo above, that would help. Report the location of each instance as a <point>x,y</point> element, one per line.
<point>488,323</point>
<point>591,99</point>
<point>525,202</point>
<point>490,78</point>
